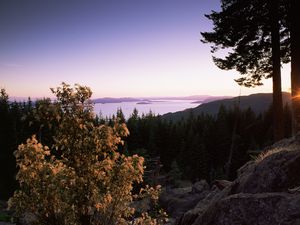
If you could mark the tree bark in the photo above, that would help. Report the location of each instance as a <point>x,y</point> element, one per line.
<point>278,130</point>
<point>295,64</point>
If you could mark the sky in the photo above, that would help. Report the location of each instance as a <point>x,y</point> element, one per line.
<point>119,48</point>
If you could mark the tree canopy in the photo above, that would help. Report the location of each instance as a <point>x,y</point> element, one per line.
<point>243,28</point>
<point>256,36</point>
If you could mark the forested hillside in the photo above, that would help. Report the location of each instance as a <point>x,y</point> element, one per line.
<point>201,144</point>
<point>259,103</point>
<point>198,145</point>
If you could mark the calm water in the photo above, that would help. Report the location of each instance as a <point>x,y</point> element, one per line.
<point>158,107</point>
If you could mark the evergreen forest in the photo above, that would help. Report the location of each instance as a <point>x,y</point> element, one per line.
<point>197,147</point>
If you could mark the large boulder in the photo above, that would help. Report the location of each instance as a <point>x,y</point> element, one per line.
<point>266,192</point>
<point>275,173</point>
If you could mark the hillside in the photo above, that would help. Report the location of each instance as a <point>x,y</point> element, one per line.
<point>257,102</point>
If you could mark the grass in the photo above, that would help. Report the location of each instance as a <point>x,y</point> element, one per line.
<point>270,152</point>
<point>265,154</point>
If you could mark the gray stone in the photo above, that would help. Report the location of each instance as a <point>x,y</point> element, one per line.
<point>253,209</point>
<point>275,173</point>
<point>211,197</point>
<point>266,192</point>
<point>200,186</point>
<point>177,204</point>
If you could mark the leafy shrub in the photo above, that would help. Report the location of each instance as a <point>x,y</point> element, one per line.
<point>82,178</point>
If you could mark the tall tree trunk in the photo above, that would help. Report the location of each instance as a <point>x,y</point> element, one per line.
<point>295,63</point>
<point>278,130</point>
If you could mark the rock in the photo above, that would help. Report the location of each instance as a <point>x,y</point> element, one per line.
<point>251,209</point>
<point>176,205</point>
<point>266,192</point>
<point>245,168</point>
<point>180,191</point>
<point>200,186</point>
<point>210,198</point>
<point>276,173</point>
<point>177,201</point>
<point>221,184</point>
<point>171,221</point>
<point>294,190</point>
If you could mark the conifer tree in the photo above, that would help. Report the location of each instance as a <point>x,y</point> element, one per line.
<point>294,18</point>
<point>255,37</point>
<point>7,138</point>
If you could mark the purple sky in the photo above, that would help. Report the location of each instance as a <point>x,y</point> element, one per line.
<point>117,47</point>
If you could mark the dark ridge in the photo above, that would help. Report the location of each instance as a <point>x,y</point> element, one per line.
<point>259,103</point>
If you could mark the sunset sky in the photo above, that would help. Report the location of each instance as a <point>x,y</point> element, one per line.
<point>119,48</point>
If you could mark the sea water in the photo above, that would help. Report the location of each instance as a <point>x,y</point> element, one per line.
<point>158,107</point>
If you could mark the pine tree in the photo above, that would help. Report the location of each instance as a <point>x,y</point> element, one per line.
<point>256,39</point>
<point>295,63</point>
<point>7,139</point>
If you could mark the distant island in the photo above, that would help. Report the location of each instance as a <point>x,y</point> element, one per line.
<point>115,100</point>
<point>144,103</point>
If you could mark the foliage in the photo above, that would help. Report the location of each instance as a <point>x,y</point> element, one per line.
<point>272,151</point>
<point>244,29</point>
<point>81,178</point>
<point>13,130</point>
<point>154,211</point>
<point>256,36</point>
<point>5,218</point>
<point>266,154</point>
<point>175,174</point>
<point>200,143</point>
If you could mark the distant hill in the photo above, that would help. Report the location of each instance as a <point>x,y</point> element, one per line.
<point>257,102</point>
<point>211,99</point>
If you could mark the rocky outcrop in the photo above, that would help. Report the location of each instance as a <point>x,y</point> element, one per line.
<point>266,192</point>
<point>252,209</point>
<point>177,201</point>
<point>277,172</point>
<point>212,196</point>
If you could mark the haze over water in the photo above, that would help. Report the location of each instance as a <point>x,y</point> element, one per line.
<point>157,107</point>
